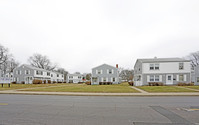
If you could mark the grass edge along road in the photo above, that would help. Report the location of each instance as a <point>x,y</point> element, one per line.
<point>164,89</point>
<point>116,88</point>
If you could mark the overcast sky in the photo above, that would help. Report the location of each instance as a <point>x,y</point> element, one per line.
<point>82,34</point>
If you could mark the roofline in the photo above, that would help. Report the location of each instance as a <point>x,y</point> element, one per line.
<point>104,64</point>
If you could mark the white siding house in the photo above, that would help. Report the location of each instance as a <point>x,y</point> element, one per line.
<point>169,71</point>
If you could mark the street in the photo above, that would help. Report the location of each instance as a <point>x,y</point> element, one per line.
<point>98,110</point>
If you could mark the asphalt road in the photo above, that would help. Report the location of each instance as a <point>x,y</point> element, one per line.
<point>98,110</point>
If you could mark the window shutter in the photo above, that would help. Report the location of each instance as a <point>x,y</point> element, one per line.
<point>160,78</point>
<point>107,79</point>
<point>185,77</point>
<point>101,71</point>
<point>96,71</point>
<point>177,77</point>
<point>107,71</point>
<point>148,78</point>
<point>112,71</point>
<point>102,79</point>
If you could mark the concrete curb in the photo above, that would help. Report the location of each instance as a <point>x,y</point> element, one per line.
<point>99,94</point>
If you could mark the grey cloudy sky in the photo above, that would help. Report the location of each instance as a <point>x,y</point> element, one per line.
<point>81,34</point>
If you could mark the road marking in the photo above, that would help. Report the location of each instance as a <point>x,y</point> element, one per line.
<point>3,103</point>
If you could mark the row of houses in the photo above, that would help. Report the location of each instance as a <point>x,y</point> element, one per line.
<point>169,71</point>
<point>26,74</point>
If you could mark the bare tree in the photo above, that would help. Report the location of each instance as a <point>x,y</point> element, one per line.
<point>126,74</point>
<point>4,55</point>
<point>194,57</point>
<point>40,61</point>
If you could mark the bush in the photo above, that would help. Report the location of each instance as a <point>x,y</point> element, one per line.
<point>22,82</point>
<point>88,82</point>
<point>13,82</point>
<point>185,84</point>
<point>37,81</point>
<point>156,84</point>
<point>44,81</point>
<point>54,82</point>
<point>49,81</point>
<point>131,83</point>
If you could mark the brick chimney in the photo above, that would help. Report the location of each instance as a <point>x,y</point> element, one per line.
<point>117,66</point>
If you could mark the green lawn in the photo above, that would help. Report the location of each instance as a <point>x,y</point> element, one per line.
<point>23,86</point>
<point>164,89</point>
<point>120,88</point>
<point>192,87</point>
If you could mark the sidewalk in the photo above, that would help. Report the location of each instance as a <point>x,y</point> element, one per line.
<point>99,94</point>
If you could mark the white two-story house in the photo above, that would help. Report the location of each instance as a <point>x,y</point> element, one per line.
<point>75,78</point>
<point>105,74</point>
<point>26,74</point>
<point>169,71</point>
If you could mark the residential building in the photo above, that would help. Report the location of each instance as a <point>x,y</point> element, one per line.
<point>169,71</point>
<point>75,78</point>
<point>105,74</point>
<point>196,81</point>
<point>26,74</point>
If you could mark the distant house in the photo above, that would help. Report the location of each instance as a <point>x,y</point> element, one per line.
<point>196,78</point>
<point>75,78</point>
<point>105,74</point>
<point>26,74</point>
<point>169,71</point>
<point>6,77</point>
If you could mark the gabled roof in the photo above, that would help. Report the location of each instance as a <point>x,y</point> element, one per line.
<point>104,65</point>
<point>163,60</point>
<point>35,68</point>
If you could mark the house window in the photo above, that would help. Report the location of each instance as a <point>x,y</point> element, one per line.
<point>181,77</point>
<point>157,78</point>
<point>94,79</point>
<point>110,71</point>
<point>51,75</point>
<point>48,73</point>
<point>197,79</point>
<point>151,66</point>
<point>181,66</point>
<point>139,78</point>
<point>27,72</point>
<point>18,72</point>
<point>71,77</point>
<point>151,78</point>
<point>99,72</point>
<point>62,76</point>
<point>104,79</point>
<point>113,79</point>
<point>157,66</point>
<point>79,77</point>
<point>57,75</point>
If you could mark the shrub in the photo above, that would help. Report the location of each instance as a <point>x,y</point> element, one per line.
<point>37,81</point>
<point>13,82</point>
<point>49,81</point>
<point>131,83</point>
<point>44,81</point>
<point>22,82</point>
<point>156,84</point>
<point>185,84</point>
<point>88,82</point>
<point>54,82</point>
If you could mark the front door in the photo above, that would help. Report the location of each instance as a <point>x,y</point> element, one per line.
<point>169,79</point>
<point>28,80</point>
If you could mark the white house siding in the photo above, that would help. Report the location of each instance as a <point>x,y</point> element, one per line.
<point>166,68</point>
<point>104,75</point>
